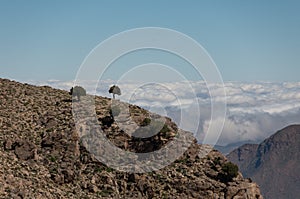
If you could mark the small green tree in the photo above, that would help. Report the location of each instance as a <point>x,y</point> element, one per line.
<point>77,91</point>
<point>114,90</point>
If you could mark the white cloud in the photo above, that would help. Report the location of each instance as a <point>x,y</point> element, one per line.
<point>254,110</point>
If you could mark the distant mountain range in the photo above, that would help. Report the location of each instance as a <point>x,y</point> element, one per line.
<point>230,147</point>
<point>274,164</point>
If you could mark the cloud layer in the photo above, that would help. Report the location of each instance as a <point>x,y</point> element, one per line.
<point>254,110</point>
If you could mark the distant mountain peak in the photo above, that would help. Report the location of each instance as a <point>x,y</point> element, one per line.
<point>273,164</point>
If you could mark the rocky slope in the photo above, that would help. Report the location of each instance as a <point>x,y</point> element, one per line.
<point>274,164</point>
<point>42,155</point>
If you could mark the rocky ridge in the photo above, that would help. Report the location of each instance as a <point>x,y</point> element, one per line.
<point>273,164</point>
<point>43,156</point>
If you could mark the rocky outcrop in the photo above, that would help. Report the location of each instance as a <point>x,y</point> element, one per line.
<point>42,155</point>
<point>273,164</point>
<point>23,149</point>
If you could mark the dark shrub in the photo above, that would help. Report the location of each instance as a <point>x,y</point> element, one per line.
<point>150,128</point>
<point>164,129</point>
<point>77,91</point>
<point>229,171</point>
<point>107,121</point>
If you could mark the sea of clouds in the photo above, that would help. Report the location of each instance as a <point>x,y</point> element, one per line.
<point>254,111</point>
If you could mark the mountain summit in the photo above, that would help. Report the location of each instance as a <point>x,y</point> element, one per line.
<point>274,164</point>
<point>43,156</point>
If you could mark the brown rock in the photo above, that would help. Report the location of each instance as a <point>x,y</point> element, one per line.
<point>69,175</point>
<point>133,177</point>
<point>24,150</point>
<point>8,144</point>
<point>59,179</point>
<point>92,188</point>
<point>51,123</point>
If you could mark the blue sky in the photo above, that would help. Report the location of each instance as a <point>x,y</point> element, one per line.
<point>248,40</point>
